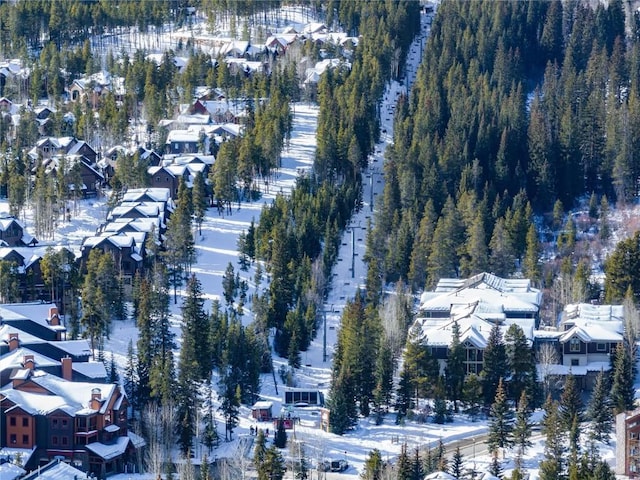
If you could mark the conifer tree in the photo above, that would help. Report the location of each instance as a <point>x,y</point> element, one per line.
<point>521,364</point>
<point>599,411</point>
<point>194,332</point>
<point>622,391</point>
<point>500,422</point>
<point>571,410</point>
<point>259,454</point>
<point>457,463</point>
<point>274,466</point>
<point>455,370</point>
<point>522,428</point>
<point>403,464</point>
<point>495,468</point>
<point>472,395</point>
<point>373,466</point>
<point>494,366</point>
<point>417,472</point>
<point>199,200</point>
<point>280,438</point>
<point>552,466</point>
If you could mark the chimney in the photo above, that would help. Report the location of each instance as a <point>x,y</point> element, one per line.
<point>54,319</point>
<point>67,370</point>
<point>96,399</point>
<point>29,362</point>
<point>14,341</point>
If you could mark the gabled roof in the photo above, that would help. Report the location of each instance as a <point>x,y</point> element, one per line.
<point>56,470</point>
<point>591,333</point>
<point>71,397</point>
<point>111,451</point>
<point>15,359</point>
<point>35,312</point>
<point>501,295</point>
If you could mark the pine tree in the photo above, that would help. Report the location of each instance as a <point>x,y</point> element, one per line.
<point>417,472</point>
<point>130,381</point>
<point>457,463</point>
<point>622,391</point>
<point>531,264</point>
<point>522,428</point>
<point>373,466</point>
<point>195,325</point>
<point>599,410</point>
<point>500,422</point>
<point>495,468</point>
<point>199,200</point>
<point>520,362</point>
<point>571,410</point>
<point>280,438</point>
<point>472,395</point>
<point>259,454</point>
<point>274,466</point>
<point>455,370</point>
<point>494,366</point>
<point>552,466</point>
<point>403,465</point>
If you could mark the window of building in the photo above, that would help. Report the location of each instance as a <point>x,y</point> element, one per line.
<point>65,440</point>
<point>25,421</point>
<point>601,347</point>
<point>54,440</point>
<point>575,362</point>
<point>13,438</point>
<point>12,421</point>
<point>54,423</point>
<point>25,439</point>
<point>574,345</point>
<point>65,422</point>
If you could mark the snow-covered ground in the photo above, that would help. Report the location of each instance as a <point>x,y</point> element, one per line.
<point>217,246</point>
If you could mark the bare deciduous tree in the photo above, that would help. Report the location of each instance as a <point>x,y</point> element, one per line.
<point>547,358</point>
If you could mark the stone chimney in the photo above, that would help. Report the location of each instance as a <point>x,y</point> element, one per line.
<point>54,318</point>
<point>96,399</point>
<point>67,370</point>
<point>29,362</point>
<point>14,341</point>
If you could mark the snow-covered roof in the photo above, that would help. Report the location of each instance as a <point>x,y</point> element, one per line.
<point>592,333</point>
<point>15,359</point>
<point>36,312</point>
<point>576,370</point>
<point>111,451</point>
<point>262,404</point>
<point>497,294</point>
<point>182,136</point>
<point>140,194</point>
<point>56,470</point>
<point>70,397</point>
<point>439,476</point>
<point>95,370</point>
<point>11,471</point>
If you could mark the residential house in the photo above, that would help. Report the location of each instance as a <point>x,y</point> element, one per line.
<point>628,444</point>
<point>13,233</point>
<point>83,422</point>
<point>38,319</point>
<point>186,141</point>
<point>91,178</point>
<point>68,359</point>
<point>587,337</point>
<point>167,177</point>
<point>93,87</point>
<point>126,249</point>
<point>476,304</point>
<point>515,298</point>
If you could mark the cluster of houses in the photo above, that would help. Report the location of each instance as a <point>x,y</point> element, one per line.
<point>581,344</point>
<point>139,217</point>
<point>57,405</point>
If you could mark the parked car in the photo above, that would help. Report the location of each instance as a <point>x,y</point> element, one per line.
<point>339,465</point>
<point>324,466</point>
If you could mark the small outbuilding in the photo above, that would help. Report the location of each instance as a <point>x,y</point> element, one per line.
<point>261,411</point>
